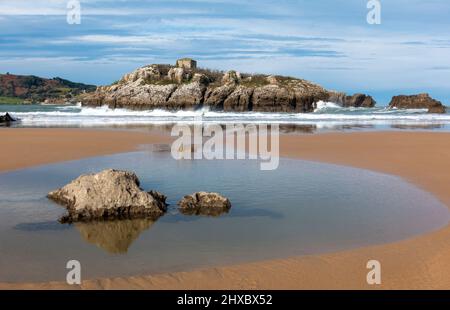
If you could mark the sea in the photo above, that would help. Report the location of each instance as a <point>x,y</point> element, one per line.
<point>328,116</point>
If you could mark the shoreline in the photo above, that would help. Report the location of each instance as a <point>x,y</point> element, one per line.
<point>422,158</point>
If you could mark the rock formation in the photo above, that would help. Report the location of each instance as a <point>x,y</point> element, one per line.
<point>7,118</point>
<point>421,101</point>
<point>203,203</point>
<point>359,101</point>
<point>174,88</point>
<point>109,194</point>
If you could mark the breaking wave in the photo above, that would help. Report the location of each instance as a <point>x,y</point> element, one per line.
<point>326,113</point>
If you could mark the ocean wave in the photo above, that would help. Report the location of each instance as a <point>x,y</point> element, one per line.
<point>323,105</point>
<point>325,112</point>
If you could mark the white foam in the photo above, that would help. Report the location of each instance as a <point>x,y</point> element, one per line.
<point>326,113</point>
<point>322,105</point>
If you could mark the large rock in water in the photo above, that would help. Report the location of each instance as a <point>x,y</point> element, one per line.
<point>171,88</point>
<point>421,101</point>
<point>359,101</point>
<point>203,203</point>
<point>110,194</point>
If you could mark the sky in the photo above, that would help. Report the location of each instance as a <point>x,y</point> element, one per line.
<point>328,42</point>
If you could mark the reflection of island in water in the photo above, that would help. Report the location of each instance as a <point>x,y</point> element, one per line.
<point>114,236</point>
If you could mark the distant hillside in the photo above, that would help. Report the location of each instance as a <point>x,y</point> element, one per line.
<point>16,89</point>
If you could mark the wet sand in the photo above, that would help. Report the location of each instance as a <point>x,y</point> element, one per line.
<point>23,147</point>
<point>422,158</point>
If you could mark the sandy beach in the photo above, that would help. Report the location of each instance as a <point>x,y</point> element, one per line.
<point>422,158</point>
<point>31,147</point>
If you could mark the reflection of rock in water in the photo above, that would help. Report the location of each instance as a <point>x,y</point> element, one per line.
<point>204,212</point>
<point>113,236</point>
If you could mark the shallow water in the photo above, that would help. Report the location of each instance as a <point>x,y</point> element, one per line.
<point>300,208</point>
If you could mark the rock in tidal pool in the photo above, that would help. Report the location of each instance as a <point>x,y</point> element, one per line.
<point>202,203</point>
<point>110,194</point>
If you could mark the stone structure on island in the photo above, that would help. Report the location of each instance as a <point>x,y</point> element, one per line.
<point>187,63</point>
<point>203,203</point>
<point>187,87</point>
<point>110,194</point>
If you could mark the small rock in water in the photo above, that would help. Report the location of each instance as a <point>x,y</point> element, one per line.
<point>110,194</point>
<point>203,203</point>
<point>7,118</point>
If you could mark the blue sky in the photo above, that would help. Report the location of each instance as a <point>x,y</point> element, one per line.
<point>328,42</point>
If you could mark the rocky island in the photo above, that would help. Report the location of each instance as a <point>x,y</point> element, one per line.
<point>186,87</point>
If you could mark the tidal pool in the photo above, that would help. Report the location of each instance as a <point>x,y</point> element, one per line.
<point>300,208</point>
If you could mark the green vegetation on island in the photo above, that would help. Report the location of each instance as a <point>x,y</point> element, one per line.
<point>27,89</point>
<point>10,100</point>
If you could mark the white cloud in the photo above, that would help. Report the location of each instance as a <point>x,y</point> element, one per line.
<point>115,39</point>
<point>59,7</point>
<point>36,7</point>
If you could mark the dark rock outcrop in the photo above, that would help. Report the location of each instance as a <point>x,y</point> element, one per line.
<point>174,88</point>
<point>7,118</point>
<point>421,101</point>
<point>359,101</point>
<point>110,194</point>
<point>215,97</point>
<point>240,100</point>
<point>202,203</point>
